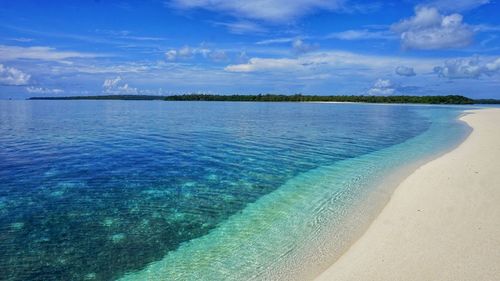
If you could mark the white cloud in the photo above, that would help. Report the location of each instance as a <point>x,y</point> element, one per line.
<point>268,10</point>
<point>8,53</point>
<point>457,5</point>
<point>187,52</point>
<point>300,46</point>
<point>276,41</point>
<point>131,67</point>
<point>405,71</point>
<point>109,83</point>
<point>12,76</point>
<point>40,90</point>
<point>116,86</point>
<point>264,64</point>
<point>493,66</point>
<point>361,34</point>
<point>382,87</point>
<point>468,68</point>
<point>22,39</point>
<point>181,53</point>
<point>429,30</point>
<point>171,54</point>
<point>425,17</point>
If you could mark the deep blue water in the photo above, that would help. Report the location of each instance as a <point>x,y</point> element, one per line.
<point>91,190</point>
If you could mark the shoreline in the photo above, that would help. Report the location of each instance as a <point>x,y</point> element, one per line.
<point>446,229</point>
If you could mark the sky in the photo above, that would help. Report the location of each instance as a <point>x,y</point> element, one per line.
<point>324,47</point>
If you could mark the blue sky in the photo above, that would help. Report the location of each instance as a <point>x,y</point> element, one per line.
<point>322,47</point>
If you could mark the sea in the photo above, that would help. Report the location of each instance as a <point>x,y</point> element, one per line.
<point>157,190</point>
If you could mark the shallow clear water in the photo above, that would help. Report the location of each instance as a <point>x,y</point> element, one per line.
<point>99,190</point>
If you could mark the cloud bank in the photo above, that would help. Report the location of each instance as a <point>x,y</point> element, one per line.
<point>341,60</point>
<point>467,68</point>
<point>429,30</point>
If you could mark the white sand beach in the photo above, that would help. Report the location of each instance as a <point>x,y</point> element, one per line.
<point>442,222</point>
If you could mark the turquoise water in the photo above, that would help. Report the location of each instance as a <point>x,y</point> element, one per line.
<point>102,190</point>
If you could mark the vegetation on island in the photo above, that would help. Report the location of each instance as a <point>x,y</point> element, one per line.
<point>486,101</point>
<point>450,99</point>
<point>455,99</point>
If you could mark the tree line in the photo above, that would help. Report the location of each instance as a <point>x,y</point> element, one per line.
<point>449,99</point>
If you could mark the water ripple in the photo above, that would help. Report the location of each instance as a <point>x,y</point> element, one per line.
<point>104,188</point>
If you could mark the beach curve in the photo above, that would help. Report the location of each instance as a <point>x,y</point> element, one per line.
<point>441,222</point>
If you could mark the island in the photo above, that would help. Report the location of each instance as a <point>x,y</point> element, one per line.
<point>448,99</point>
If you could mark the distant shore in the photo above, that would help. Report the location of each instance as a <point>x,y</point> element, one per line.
<point>400,99</point>
<point>442,222</point>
